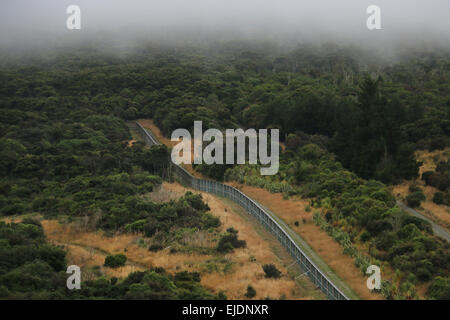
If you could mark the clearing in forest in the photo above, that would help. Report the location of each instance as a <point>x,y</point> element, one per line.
<point>231,272</point>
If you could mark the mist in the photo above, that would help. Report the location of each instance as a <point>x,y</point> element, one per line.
<point>405,23</point>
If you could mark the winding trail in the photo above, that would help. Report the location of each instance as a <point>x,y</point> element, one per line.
<point>438,230</point>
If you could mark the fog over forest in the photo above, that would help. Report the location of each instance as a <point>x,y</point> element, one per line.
<point>119,23</point>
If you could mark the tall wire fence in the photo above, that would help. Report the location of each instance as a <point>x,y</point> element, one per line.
<point>261,214</point>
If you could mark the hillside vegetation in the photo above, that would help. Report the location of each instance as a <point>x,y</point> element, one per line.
<point>349,124</point>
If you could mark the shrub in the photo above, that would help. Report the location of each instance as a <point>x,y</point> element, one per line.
<point>271,271</point>
<point>230,241</point>
<point>375,227</point>
<point>444,181</point>
<point>251,292</point>
<point>409,231</point>
<point>385,240</point>
<point>209,221</point>
<point>135,226</point>
<point>419,223</point>
<point>413,188</point>
<point>447,198</point>
<point>155,247</point>
<point>115,261</point>
<point>224,246</point>
<point>426,176</point>
<point>439,288</point>
<point>414,199</point>
<point>365,236</point>
<point>438,198</point>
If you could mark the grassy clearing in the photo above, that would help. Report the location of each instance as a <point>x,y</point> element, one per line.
<point>246,267</point>
<point>231,272</point>
<point>284,258</point>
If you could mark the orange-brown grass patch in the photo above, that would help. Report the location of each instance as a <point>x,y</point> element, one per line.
<point>401,190</point>
<point>13,219</point>
<point>86,258</point>
<point>121,243</point>
<point>90,248</point>
<point>438,213</point>
<point>82,256</point>
<point>431,159</point>
<point>247,262</point>
<point>325,246</point>
<point>149,124</point>
<point>164,194</point>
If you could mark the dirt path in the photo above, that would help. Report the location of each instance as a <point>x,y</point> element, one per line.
<point>438,231</point>
<point>439,214</point>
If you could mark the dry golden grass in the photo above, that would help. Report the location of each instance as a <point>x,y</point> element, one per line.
<point>401,190</point>
<point>86,257</point>
<point>162,194</point>
<point>15,219</point>
<point>246,231</point>
<point>431,159</point>
<point>325,246</point>
<point>149,124</point>
<point>247,268</point>
<point>82,257</point>
<point>438,213</point>
<point>88,249</point>
<point>120,243</point>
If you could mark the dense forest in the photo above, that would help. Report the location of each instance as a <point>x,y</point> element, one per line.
<point>350,124</point>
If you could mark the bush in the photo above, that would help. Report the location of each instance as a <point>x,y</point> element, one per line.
<point>251,292</point>
<point>230,241</point>
<point>414,199</point>
<point>375,227</point>
<point>438,198</point>
<point>271,271</point>
<point>426,176</point>
<point>115,261</point>
<point>365,236</point>
<point>440,288</point>
<point>423,225</point>
<point>385,241</point>
<point>447,198</point>
<point>409,231</point>
<point>155,247</point>
<point>413,188</point>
